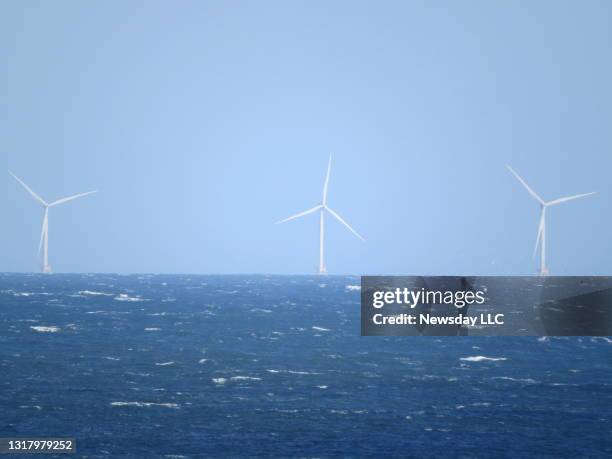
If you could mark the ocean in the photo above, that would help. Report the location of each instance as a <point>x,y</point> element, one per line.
<point>246,366</point>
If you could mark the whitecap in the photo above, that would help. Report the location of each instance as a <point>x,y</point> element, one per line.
<point>293,372</point>
<point>43,329</point>
<point>353,288</point>
<point>93,293</point>
<point>245,378</point>
<point>202,360</point>
<point>524,380</point>
<point>145,404</point>
<point>164,364</point>
<point>152,329</point>
<point>482,358</point>
<point>126,297</point>
<point>603,338</point>
<point>321,329</point>
<point>219,380</point>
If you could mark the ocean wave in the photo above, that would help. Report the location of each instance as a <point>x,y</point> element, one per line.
<point>45,329</point>
<point>164,364</point>
<point>93,293</point>
<point>219,380</point>
<point>482,358</point>
<point>244,378</point>
<point>145,404</point>
<point>293,372</point>
<point>321,329</point>
<point>152,329</point>
<point>128,298</point>
<point>602,338</point>
<point>523,380</point>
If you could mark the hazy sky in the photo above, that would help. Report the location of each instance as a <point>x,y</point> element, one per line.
<point>203,123</point>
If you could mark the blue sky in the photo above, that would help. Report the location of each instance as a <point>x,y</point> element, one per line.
<point>203,123</point>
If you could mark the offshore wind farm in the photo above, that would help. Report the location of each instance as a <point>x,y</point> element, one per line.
<point>170,317</point>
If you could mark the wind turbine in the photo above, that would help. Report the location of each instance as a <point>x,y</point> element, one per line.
<point>44,233</point>
<point>321,208</point>
<point>541,238</point>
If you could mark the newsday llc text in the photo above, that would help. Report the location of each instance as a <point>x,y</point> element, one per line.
<point>485,306</point>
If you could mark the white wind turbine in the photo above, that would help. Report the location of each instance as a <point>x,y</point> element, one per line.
<point>322,207</point>
<point>44,233</point>
<point>541,238</point>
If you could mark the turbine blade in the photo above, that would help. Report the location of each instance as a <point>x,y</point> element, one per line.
<point>326,184</point>
<point>540,231</point>
<point>569,198</point>
<point>341,220</point>
<point>531,192</point>
<point>43,230</point>
<point>70,198</point>
<point>301,214</point>
<point>34,195</point>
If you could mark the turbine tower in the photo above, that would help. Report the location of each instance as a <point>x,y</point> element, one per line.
<point>321,208</point>
<point>541,238</point>
<point>44,233</point>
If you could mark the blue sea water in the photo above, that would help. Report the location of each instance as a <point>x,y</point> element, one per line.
<point>246,366</point>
